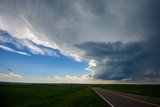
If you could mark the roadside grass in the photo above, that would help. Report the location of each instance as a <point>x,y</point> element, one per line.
<point>151,90</point>
<point>41,95</point>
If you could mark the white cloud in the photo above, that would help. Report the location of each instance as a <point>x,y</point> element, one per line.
<point>12,50</point>
<point>25,43</point>
<point>92,66</point>
<point>12,77</point>
<point>33,48</point>
<point>46,23</point>
<point>85,79</point>
<point>9,75</point>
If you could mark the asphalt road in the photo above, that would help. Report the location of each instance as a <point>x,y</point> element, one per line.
<point>121,99</point>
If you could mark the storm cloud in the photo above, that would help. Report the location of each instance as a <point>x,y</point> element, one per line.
<point>119,38</point>
<point>119,61</point>
<point>135,60</point>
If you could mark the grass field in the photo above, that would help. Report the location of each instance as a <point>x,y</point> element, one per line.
<point>48,95</point>
<point>65,95</point>
<point>147,90</point>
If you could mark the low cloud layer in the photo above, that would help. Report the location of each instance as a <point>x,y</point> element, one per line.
<point>10,75</point>
<point>85,79</point>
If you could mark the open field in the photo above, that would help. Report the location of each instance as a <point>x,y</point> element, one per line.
<point>59,95</point>
<point>146,90</point>
<point>65,95</point>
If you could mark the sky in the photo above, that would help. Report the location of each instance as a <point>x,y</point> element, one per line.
<point>80,41</point>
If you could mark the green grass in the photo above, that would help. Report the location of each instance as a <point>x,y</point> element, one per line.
<point>64,95</point>
<point>48,95</point>
<point>146,90</point>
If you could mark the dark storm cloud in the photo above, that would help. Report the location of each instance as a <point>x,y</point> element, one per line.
<point>118,61</point>
<point>124,34</point>
<point>134,60</point>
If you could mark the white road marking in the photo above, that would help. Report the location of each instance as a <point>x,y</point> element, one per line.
<point>128,98</point>
<point>104,99</point>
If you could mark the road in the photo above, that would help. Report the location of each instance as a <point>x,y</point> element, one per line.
<point>121,99</point>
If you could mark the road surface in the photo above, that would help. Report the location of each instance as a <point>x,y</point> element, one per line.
<point>121,99</point>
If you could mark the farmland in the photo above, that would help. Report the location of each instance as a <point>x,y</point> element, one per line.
<point>65,95</point>
<point>55,95</point>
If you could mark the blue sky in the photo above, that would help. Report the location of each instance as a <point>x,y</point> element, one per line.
<point>39,65</point>
<point>85,41</point>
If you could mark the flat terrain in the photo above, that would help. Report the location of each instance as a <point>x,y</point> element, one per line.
<point>75,95</point>
<point>44,95</point>
<point>121,99</point>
